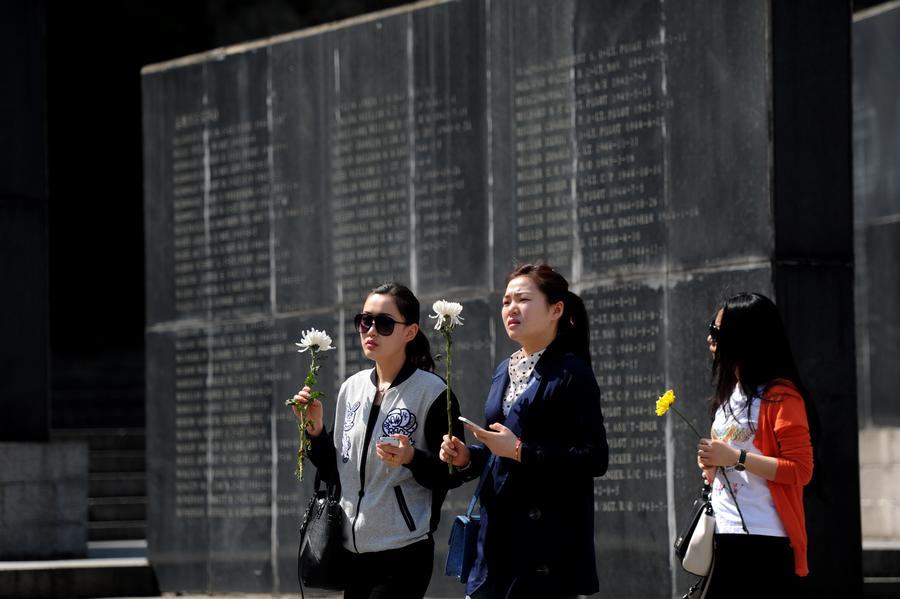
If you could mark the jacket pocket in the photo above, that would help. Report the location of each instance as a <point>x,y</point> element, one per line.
<point>404,510</point>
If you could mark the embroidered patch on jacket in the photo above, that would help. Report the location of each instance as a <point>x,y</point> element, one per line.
<point>349,418</point>
<point>400,421</point>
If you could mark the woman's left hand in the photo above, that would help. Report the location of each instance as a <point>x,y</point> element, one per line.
<point>395,456</point>
<point>500,439</point>
<point>712,452</point>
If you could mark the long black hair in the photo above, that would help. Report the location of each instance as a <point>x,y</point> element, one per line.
<point>418,351</point>
<point>572,331</point>
<point>753,351</point>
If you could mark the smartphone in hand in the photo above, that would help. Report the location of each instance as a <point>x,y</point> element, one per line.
<point>472,424</point>
<point>390,441</point>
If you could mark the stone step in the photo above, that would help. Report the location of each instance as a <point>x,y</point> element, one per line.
<point>110,549</point>
<point>117,530</point>
<point>117,505</point>
<point>117,509</point>
<point>117,484</point>
<point>116,460</point>
<point>881,561</point>
<point>83,578</point>
<point>881,571</point>
<point>881,588</point>
<point>97,409</point>
<point>123,438</point>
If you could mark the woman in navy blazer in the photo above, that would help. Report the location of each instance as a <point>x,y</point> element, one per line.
<point>545,429</point>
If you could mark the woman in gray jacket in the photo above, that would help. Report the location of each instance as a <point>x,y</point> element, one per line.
<point>389,424</point>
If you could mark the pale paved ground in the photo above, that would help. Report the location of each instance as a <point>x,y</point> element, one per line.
<point>309,595</point>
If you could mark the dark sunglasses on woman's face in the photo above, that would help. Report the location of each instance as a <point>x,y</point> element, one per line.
<point>384,324</point>
<point>713,331</point>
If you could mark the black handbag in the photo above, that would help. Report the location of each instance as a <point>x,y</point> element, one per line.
<point>693,547</point>
<point>463,541</point>
<point>700,586</point>
<point>321,557</point>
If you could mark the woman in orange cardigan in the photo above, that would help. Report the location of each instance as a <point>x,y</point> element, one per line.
<point>760,437</point>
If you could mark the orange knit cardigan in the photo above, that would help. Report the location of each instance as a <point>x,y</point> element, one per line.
<point>783,433</point>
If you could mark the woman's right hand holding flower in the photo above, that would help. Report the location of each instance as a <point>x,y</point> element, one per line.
<point>453,451</point>
<point>709,473</point>
<point>314,412</point>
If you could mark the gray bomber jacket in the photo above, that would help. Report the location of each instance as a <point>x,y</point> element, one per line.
<point>388,508</point>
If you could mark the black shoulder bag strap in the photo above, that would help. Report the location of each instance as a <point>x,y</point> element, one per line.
<point>474,500</point>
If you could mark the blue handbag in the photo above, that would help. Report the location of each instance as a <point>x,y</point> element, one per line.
<point>463,540</point>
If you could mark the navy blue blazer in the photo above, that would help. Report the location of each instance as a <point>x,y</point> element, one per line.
<point>537,515</point>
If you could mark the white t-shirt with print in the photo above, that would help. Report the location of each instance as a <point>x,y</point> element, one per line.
<point>733,426</point>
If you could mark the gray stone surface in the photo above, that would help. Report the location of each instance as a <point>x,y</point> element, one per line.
<point>876,151</point>
<point>43,500</point>
<point>876,121</point>
<point>629,145</point>
<point>77,578</point>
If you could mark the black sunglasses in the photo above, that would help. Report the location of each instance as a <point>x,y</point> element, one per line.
<point>713,331</point>
<point>384,324</point>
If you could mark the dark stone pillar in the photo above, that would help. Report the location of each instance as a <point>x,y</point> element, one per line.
<point>813,266</point>
<point>24,385</point>
<point>43,485</point>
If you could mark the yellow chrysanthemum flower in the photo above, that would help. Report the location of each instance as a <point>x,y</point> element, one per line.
<point>664,402</point>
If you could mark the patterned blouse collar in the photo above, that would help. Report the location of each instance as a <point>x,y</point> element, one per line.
<point>521,366</point>
<point>520,369</point>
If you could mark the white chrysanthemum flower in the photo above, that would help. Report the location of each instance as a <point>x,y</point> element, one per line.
<point>446,312</point>
<point>314,338</point>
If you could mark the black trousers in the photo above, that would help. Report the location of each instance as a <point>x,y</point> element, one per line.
<point>393,574</point>
<point>752,566</point>
<point>491,591</point>
<point>510,586</point>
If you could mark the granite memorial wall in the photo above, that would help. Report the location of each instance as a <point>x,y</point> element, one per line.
<point>630,146</point>
<point>876,123</point>
<point>876,202</point>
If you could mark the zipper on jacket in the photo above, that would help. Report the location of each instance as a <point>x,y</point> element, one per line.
<point>355,516</point>
<point>404,509</point>
<point>373,417</point>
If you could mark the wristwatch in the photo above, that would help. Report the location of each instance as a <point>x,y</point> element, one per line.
<point>740,466</point>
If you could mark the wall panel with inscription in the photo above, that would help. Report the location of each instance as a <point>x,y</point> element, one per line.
<point>627,144</point>
<point>876,222</point>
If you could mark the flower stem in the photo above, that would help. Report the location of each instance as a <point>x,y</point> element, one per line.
<point>303,421</point>
<point>302,430</point>
<point>719,468</point>
<point>447,344</point>
<point>686,421</point>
